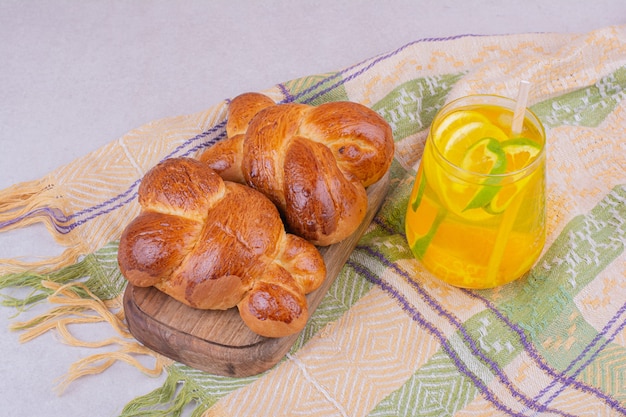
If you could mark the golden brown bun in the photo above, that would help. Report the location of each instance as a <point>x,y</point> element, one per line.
<point>214,244</point>
<point>313,162</point>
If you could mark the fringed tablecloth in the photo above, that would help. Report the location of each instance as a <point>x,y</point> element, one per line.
<point>388,339</point>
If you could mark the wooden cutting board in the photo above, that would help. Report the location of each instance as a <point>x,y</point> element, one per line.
<point>218,341</point>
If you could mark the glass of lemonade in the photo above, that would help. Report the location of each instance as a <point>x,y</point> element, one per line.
<point>476,215</point>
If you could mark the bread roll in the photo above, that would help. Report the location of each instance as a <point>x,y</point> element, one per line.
<point>313,162</point>
<point>214,244</point>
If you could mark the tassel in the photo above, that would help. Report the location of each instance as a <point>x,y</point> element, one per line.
<point>98,363</point>
<point>77,304</point>
<point>71,311</point>
<point>67,258</point>
<point>21,198</point>
<point>181,388</point>
<point>33,202</point>
<point>153,403</point>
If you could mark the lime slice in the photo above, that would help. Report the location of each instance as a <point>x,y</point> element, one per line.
<point>502,199</point>
<point>519,153</point>
<point>421,188</point>
<point>484,157</point>
<point>421,244</point>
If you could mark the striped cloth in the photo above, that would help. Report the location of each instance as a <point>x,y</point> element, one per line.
<point>388,338</point>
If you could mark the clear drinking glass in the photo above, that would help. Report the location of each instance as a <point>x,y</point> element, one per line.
<point>476,215</point>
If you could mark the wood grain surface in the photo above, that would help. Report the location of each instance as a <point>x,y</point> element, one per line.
<point>218,341</point>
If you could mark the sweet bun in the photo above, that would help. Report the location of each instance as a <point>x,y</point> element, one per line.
<point>313,162</point>
<point>215,244</point>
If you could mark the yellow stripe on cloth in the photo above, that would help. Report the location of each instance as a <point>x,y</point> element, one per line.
<point>345,370</point>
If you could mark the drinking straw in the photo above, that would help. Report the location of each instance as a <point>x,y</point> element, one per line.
<point>510,213</point>
<point>508,219</point>
<point>520,108</point>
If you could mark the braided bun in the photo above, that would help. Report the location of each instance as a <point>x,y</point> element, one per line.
<point>214,244</point>
<point>313,162</point>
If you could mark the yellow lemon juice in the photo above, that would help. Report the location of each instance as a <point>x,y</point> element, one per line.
<point>476,215</point>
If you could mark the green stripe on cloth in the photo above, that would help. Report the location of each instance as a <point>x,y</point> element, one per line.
<point>587,106</point>
<point>317,89</point>
<point>436,390</point>
<point>182,387</point>
<point>581,251</point>
<point>411,107</point>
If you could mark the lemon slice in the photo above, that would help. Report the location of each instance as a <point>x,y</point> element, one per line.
<point>486,157</point>
<point>455,121</point>
<point>519,153</point>
<point>483,157</point>
<point>458,142</point>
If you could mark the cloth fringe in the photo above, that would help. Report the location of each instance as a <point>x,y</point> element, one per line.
<point>32,202</point>
<point>76,304</point>
<point>98,363</point>
<point>28,203</point>
<point>171,399</point>
<point>69,257</point>
<point>92,265</point>
<point>20,198</point>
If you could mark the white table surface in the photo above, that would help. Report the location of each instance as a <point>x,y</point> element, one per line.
<point>75,75</point>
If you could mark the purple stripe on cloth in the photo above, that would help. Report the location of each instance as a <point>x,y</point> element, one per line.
<point>131,191</point>
<point>286,93</point>
<point>374,61</point>
<point>585,351</point>
<point>65,224</point>
<point>55,215</point>
<point>171,154</point>
<point>559,376</point>
<point>109,209</point>
<point>387,228</point>
<point>431,328</point>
